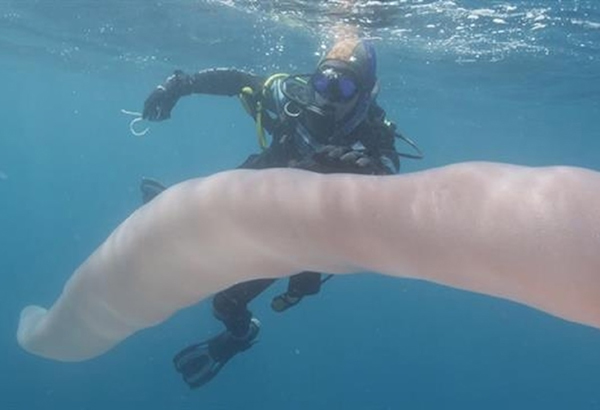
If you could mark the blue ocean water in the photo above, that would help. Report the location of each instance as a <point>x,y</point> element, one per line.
<point>513,81</point>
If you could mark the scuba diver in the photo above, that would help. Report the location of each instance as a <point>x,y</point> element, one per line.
<point>327,122</point>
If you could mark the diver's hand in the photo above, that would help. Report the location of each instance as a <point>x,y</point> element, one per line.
<point>161,101</point>
<point>345,159</point>
<point>158,105</point>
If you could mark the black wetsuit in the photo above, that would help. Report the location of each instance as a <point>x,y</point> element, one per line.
<point>294,144</point>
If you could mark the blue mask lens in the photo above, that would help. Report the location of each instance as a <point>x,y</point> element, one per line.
<point>334,86</point>
<point>347,87</point>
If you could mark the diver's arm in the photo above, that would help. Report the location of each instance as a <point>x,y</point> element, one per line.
<point>223,81</point>
<point>387,158</point>
<point>374,153</point>
<point>333,159</point>
<point>216,81</point>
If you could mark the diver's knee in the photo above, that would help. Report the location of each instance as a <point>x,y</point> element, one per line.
<point>227,308</point>
<point>222,306</point>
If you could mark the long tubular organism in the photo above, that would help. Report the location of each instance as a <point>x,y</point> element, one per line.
<point>531,235</point>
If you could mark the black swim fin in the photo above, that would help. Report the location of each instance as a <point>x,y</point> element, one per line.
<point>200,363</point>
<point>150,188</point>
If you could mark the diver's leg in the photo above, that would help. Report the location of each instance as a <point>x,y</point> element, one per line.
<point>150,189</point>
<point>231,305</point>
<point>201,362</point>
<point>300,285</point>
<point>304,284</point>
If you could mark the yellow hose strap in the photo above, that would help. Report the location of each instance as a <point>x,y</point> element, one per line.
<point>260,130</point>
<point>245,95</point>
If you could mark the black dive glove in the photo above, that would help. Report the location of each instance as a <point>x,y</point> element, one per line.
<point>161,101</point>
<point>334,158</point>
